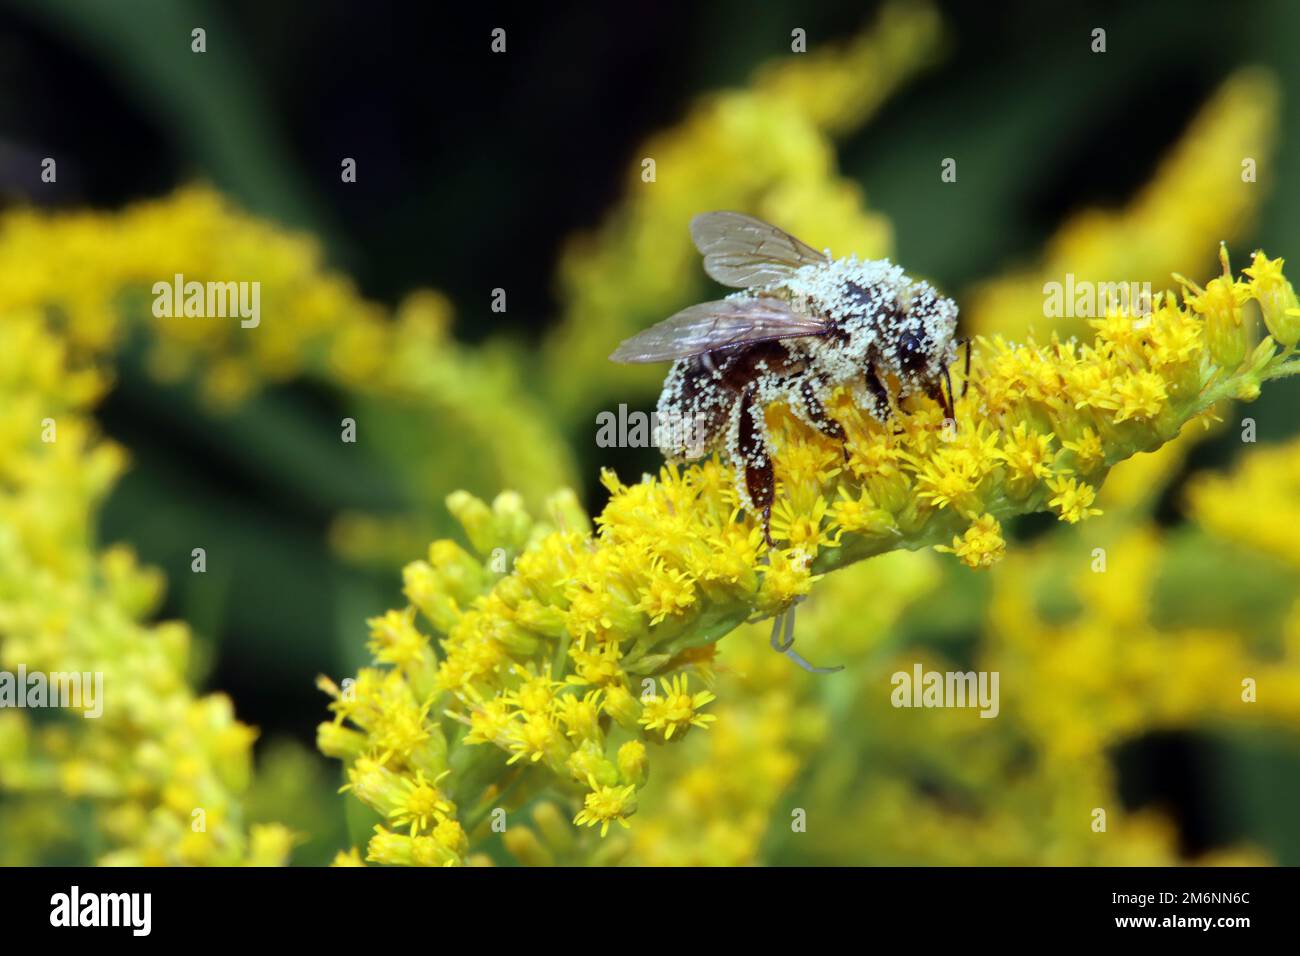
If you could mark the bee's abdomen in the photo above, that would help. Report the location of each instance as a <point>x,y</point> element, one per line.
<point>693,410</point>
<point>737,368</point>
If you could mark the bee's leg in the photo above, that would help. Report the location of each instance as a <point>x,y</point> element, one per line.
<point>760,480</point>
<point>816,413</point>
<point>965,377</point>
<point>944,399</point>
<point>879,395</point>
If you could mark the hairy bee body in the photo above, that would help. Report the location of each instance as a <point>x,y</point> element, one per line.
<point>803,326</point>
<point>869,308</point>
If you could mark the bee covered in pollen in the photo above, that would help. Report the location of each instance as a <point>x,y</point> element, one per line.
<point>803,325</point>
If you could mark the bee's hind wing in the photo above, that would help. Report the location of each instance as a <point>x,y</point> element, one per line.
<point>745,252</point>
<point>715,325</point>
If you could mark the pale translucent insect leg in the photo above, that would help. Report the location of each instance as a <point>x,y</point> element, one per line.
<point>784,643</point>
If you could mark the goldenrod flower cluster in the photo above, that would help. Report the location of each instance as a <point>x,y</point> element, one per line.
<point>1269,479</point>
<point>163,771</point>
<point>1102,633</point>
<point>565,670</point>
<point>313,323</point>
<point>725,798</point>
<point>158,777</point>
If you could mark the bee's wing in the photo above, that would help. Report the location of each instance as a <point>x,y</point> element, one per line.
<point>715,325</point>
<point>742,251</point>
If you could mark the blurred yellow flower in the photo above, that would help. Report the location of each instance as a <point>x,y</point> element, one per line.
<point>161,770</point>
<point>1199,195</point>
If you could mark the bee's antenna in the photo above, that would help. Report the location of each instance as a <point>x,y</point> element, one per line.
<point>786,646</point>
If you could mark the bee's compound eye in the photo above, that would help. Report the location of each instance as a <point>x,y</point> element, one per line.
<point>911,352</point>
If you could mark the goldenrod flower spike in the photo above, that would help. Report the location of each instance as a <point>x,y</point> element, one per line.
<point>559,673</point>
<point>159,773</point>
<point>1268,479</point>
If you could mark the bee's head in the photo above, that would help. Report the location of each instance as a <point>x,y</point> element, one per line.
<point>892,326</point>
<point>912,352</point>
<point>920,344</point>
<point>923,345</point>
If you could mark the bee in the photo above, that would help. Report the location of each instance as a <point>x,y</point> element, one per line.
<point>803,325</point>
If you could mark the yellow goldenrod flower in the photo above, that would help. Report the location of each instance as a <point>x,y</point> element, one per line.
<point>981,545</point>
<point>632,763</point>
<point>622,706</point>
<point>348,857</point>
<point>677,710</point>
<point>421,805</point>
<point>605,805</point>
<point>1220,303</point>
<point>395,849</point>
<point>525,661</point>
<point>804,532</point>
<point>1073,499</point>
<point>1028,457</point>
<point>1110,633</point>
<point>667,592</point>
<point>314,324</point>
<point>580,715</point>
<point>394,638</point>
<point>1257,505</point>
<point>537,737</point>
<point>1276,298</point>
